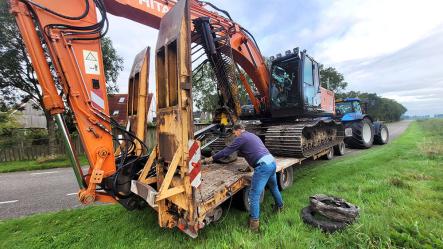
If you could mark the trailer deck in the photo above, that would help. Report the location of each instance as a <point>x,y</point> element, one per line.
<point>217,177</point>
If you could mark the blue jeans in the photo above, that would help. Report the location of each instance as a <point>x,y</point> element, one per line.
<point>264,174</point>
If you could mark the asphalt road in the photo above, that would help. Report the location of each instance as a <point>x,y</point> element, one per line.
<point>30,192</point>
<point>396,129</point>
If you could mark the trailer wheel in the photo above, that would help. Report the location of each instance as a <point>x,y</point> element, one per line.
<point>329,155</point>
<point>339,149</point>
<point>309,216</point>
<point>285,178</point>
<point>382,136</point>
<point>362,134</point>
<point>244,198</point>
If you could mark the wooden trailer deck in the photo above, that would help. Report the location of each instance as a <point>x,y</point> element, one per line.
<point>216,178</point>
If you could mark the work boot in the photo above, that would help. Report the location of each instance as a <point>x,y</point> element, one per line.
<point>254,225</point>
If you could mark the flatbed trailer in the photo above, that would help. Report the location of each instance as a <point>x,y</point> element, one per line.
<point>218,178</point>
<point>219,183</point>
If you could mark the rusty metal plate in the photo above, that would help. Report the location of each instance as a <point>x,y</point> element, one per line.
<point>167,146</point>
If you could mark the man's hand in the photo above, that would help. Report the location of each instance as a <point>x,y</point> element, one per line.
<point>207,160</point>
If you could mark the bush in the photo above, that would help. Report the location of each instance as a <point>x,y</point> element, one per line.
<point>37,136</point>
<point>9,131</point>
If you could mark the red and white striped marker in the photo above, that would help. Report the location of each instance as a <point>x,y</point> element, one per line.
<point>194,163</point>
<point>97,99</point>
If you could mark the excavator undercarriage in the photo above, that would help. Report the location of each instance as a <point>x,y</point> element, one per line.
<point>303,138</point>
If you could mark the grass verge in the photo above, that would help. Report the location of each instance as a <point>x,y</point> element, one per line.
<point>398,188</point>
<point>59,162</point>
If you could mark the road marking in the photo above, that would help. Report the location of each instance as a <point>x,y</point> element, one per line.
<point>44,173</point>
<point>6,202</point>
<point>71,194</point>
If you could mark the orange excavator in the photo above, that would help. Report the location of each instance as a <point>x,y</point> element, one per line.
<point>292,111</point>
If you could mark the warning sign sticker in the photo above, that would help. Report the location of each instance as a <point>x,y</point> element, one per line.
<point>90,59</point>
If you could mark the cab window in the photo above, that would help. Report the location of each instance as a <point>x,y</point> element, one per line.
<point>357,107</point>
<point>307,72</point>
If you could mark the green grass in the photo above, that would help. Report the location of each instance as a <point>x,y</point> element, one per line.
<point>59,162</point>
<point>398,188</point>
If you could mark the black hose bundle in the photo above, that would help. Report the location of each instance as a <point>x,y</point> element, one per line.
<point>98,29</point>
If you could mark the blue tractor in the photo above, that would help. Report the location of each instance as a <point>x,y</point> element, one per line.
<point>362,131</point>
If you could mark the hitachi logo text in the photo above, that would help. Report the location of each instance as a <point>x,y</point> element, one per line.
<point>155,5</point>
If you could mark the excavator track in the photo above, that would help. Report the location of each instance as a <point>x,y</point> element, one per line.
<point>303,139</point>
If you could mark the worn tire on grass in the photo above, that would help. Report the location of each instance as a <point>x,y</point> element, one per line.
<point>309,216</point>
<point>334,208</point>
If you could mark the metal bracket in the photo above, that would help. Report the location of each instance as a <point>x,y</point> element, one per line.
<point>145,191</point>
<point>97,176</point>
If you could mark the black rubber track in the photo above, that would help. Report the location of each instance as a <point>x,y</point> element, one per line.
<point>356,141</point>
<point>378,139</point>
<point>290,140</point>
<point>307,215</point>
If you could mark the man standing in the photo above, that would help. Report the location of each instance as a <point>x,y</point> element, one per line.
<point>259,158</point>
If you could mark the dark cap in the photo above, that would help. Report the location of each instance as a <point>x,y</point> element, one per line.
<point>238,127</point>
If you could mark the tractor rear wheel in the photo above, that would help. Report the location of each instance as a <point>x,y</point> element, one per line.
<point>362,134</point>
<point>382,136</point>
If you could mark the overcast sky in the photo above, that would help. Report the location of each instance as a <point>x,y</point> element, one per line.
<point>393,48</point>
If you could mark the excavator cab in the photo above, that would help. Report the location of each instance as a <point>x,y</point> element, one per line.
<point>295,85</point>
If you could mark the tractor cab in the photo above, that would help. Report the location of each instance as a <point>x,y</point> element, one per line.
<point>349,109</point>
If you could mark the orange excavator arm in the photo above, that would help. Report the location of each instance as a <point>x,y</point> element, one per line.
<point>69,32</point>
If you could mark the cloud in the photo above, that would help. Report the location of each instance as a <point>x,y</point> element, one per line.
<point>379,27</point>
<point>413,75</point>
